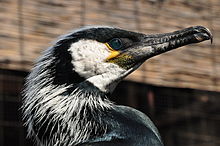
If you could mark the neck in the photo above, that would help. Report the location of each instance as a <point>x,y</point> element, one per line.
<point>56,114</point>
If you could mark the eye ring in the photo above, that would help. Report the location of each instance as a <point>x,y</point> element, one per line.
<point>115,44</point>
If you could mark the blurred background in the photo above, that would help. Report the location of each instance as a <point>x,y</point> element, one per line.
<point>179,90</point>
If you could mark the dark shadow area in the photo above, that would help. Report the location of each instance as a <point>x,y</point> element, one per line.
<point>183,116</point>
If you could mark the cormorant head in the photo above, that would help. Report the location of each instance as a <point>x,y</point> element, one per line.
<point>102,56</point>
<point>105,55</point>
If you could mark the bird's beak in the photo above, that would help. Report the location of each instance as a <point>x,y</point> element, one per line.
<point>152,45</point>
<point>148,46</point>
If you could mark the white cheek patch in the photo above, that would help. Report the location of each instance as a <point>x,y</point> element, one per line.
<point>88,55</point>
<point>89,62</point>
<point>89,48</point>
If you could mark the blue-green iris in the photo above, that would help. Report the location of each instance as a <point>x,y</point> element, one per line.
<point>115,44</point>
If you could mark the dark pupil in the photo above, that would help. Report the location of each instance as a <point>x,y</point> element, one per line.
<point>116,44</point>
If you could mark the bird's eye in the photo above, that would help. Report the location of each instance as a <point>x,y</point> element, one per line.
<point>115,44</point>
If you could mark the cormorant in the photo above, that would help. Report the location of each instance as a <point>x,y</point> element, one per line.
<point>66,94</point>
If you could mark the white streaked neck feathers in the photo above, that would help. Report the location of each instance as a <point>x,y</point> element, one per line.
<point>46,102</point>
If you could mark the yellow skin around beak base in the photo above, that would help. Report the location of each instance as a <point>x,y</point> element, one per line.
<point>113,54</point>
<point>117,58</point>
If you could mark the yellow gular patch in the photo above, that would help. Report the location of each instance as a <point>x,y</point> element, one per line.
<point>113,54</point>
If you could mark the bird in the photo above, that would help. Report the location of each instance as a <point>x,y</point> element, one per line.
<point>66,95</point>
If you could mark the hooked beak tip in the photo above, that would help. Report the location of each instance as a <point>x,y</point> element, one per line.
<point>203,33</point>
<point>210,35</point>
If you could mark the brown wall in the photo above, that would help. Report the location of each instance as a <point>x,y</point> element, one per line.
<point>27,28</point>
